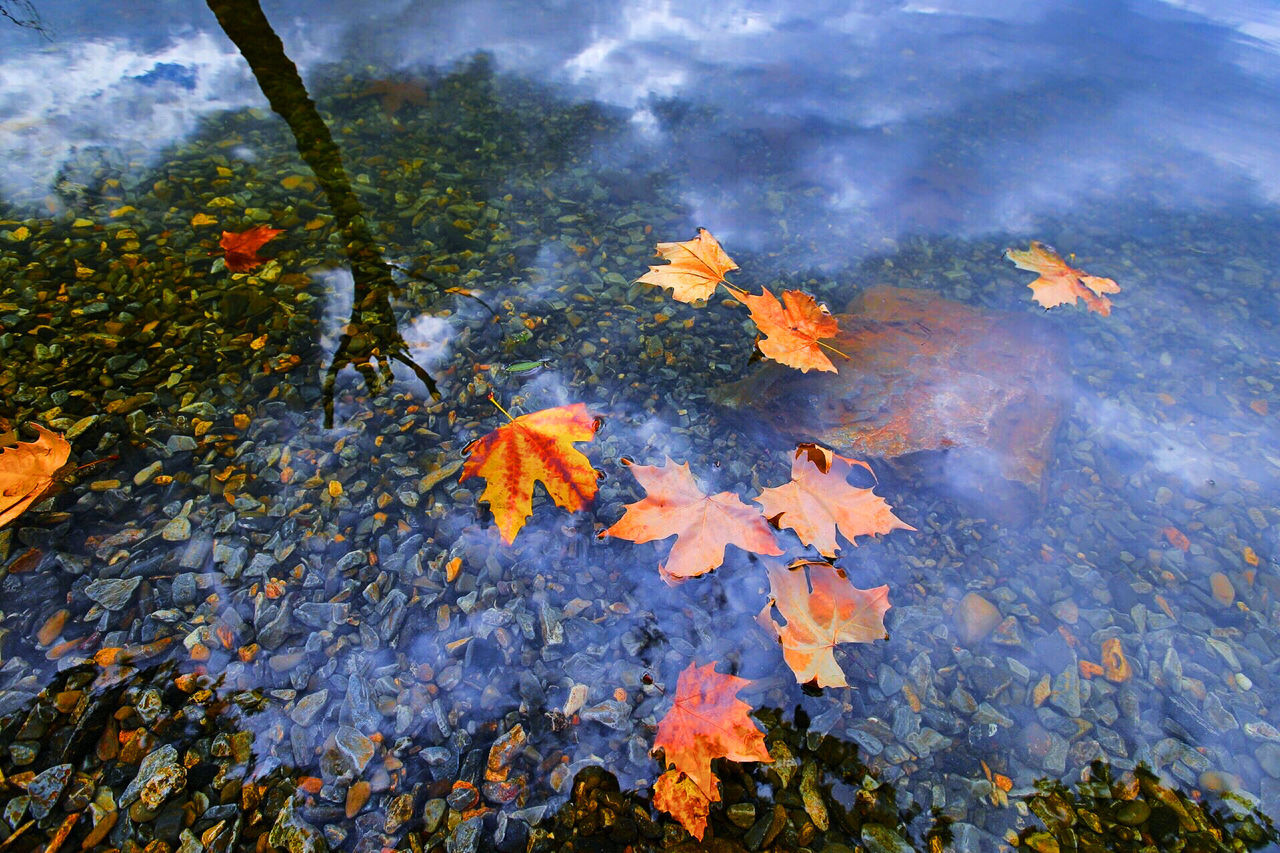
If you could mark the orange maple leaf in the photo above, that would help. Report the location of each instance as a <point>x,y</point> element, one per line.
<point>791,328</point>
<point>706,721</point>
<point>674,506</point>
<point>27,471</point>
<point>533,447</point>
<point>679,796</point>
<point>835,611</point>
<point>1059,283</point>
<point>819,501</point>
<point>242,247</point>
<point>696,267</point>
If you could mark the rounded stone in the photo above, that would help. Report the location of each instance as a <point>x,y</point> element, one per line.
<point>974,618</point>
<point>1133,813</point>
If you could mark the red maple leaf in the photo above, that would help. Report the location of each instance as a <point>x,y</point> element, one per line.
<point>242,247</point>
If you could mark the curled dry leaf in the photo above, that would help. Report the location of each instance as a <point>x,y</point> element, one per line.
<point>534,447</point>
<point>706,721</point>
<point>696,268</point>
<point>791,328</point>
<point>1059,283</point>
<point>819,501</point>
<point>834,611</point>
<point>242,247</point>
<point>27,471</point>
<point>674,506</point>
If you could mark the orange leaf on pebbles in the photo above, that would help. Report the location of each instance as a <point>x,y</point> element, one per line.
<point>537,447</point>
<point>703,525</point>
<point>822,609</point>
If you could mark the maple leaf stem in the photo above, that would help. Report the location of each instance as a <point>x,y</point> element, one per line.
<point>500,409</point>
<point>734,292</point>
<point>833,349</point>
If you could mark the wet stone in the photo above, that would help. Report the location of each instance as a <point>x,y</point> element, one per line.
<point>177,530</point>
<point>147,474</point>
<point>15,809</point>
<point>465,837</point>
<point>355,746</point>
<point>742,814</point>
<point>159,776</point>
<point>309,707</point>
<point>46,787</point>
<point>399,813</point>
<point>112,593</point>
<point>1066,691</point>
<point>290,832</point>
<point>975,618</point>
<point>1133,813</point>
<point>23,753</point>
<point>196,552</point>
<point>432,814</point>
<point>882,839</point>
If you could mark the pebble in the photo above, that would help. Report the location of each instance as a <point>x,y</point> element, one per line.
<point>355,746</point>
<point>45,789</point>
<point>357,796</point>
<point>882,839</point>
<point>1221,587</point>
<point>974,618</point>
<point>147,474</point>
<point>177,530</point>
<point>309,707</point>
<point>112,593</point>
<point>1133,813</point>
<point>432,814</point>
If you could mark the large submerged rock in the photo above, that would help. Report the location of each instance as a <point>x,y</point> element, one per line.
<point>925,374</point>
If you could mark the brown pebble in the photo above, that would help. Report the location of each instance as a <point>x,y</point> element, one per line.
<point>1222,588</point>
<point>357,796</point>
<point>52,627</point>
<point>99,831</point>
<point>1219,782</point>
<point>974,618</point>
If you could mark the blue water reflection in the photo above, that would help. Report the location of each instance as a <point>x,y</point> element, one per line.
<point>963,117</point>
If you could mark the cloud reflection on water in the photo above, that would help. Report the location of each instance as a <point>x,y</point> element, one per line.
<point>965,117</point>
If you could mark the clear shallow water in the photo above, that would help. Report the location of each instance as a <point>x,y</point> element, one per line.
<point>834,150</point>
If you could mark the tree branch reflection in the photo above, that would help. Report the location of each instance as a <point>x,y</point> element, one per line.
<point>371,339</point>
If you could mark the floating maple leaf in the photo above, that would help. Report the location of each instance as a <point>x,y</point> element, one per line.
<point>697,267</point>
<point>533,447</point>
<point>674,506</point>
<point>242,247</point>
<point>819,501</point>
<point>1059,283</point>
<point>791,328</point>
<point>834,611</point>
<point>706,721</point>
<point>27,471</point>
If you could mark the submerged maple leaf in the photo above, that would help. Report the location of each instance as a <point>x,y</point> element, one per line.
<point>679,796</point>
<point>791,328</point>
<point>819,501</point>
<point>27,471</point>
<point>706,721</point>
<point>696,267</point>
<point>703,525</point>
<point>534,447</point>
<point>1059,283</point>
<point>834,611</point>
<point>242,247</point>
